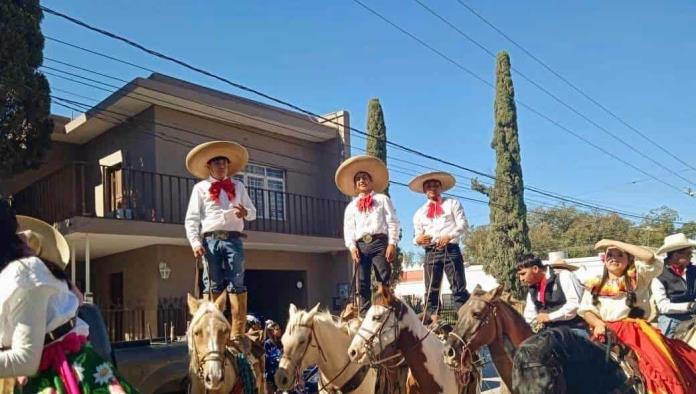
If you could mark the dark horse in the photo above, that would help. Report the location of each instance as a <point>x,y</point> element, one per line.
<point>560,361</point>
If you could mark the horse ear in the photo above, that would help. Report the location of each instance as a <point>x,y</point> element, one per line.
<point>221,301</point>
<point>193,303</point>
<point>293,309</point>
<point>495,293</point>
<point>312,312</point>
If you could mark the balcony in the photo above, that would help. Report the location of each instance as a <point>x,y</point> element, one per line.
<point>80,189</point>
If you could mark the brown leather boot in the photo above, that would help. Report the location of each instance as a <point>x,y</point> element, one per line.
<point>238,306</point>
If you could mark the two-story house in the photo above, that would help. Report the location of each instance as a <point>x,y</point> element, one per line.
<point>115,183</point>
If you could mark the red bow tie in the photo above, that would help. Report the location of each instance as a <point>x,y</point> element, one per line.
<point>541,297</point>
<point>225,185</point>
<point>365,203</point>
<point>435,208</point>
<point>679,270</point>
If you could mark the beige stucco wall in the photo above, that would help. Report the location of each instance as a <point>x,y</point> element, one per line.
<point>60,155</point>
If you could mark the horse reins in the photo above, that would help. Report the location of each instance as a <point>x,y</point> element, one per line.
<point>466,350</point>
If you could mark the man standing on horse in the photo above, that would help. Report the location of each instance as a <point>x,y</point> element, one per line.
<point>439,226</point>
<point>554,294</point>
<point>370,226</point>
<point>674,290</point>
<point>214,223</point>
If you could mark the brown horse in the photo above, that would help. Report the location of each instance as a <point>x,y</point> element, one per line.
<point>391,321</point>
<point>486,319</point>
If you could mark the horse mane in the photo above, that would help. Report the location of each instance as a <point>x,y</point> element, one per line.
<point>322,315</point>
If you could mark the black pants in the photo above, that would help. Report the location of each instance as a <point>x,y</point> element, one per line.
<point>372,254</point>
<point>451,261</point>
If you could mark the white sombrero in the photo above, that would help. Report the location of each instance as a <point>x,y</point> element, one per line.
<point>47,242</point>
<point>198,158</point>
<point>446,180</point>
<point>675,242</point>
<point>345,174</point>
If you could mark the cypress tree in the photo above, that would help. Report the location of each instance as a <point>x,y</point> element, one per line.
<point>508,237</point>
<point>377,132</point>
<point>25,126</point>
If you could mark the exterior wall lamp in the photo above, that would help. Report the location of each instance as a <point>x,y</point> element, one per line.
<point>164,270</point>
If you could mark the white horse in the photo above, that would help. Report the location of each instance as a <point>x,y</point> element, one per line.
<point>390,320</point>
<point>313,337</point>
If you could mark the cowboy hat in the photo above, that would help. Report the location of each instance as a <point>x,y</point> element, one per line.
<point>47,242</point>
<point>446,180</point>
<point>561,263</point>
<point>198,158</point>
<point>345,174</point>
<point>639,252</point>
<point>675,242</point>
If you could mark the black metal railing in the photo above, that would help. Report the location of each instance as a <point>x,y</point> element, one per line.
<point>130,194</point>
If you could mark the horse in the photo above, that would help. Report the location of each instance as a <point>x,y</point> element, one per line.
<point>213,368</point>
<point>391,321</point>
<point>486,319</point>
<point>559,361</point>
<point>686,331</point>
<point>313,337</point>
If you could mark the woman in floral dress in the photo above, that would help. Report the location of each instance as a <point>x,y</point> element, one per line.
<point>44,344</point>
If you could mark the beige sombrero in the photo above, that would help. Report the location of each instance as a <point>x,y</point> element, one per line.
<point>47,242</point>
<point>445,178</point>
<point>345,174</point>
<point>561,263</point>
<point>639,252</point>
<point>675,242</point>
<point>198,157</point>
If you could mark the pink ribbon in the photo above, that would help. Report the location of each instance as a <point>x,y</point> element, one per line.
<point>54,357</point>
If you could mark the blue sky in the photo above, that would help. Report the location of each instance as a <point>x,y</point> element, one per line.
<point>636,58</point>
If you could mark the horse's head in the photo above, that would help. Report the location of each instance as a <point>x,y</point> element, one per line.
<point>298,351</point>
<point>475,327</point>
<point>207,337</point>
<point>380,328</point>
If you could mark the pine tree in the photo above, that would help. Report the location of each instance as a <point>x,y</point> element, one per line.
<point>508,237</point>
<point>25,126</point>
<point>377,132</point>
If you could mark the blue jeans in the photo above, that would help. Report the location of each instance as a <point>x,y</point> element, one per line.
<point>225,265</point>
<point>668,325</point>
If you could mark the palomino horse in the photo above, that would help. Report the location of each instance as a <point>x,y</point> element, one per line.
<point>313,337</point>
<point>390,320</point>
<point>686,331</point>
<point>485,319</point>
<point>213,369</point>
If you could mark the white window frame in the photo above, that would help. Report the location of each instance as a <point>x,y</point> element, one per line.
<point>265,213</point>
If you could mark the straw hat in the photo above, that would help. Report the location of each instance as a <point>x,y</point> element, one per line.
<point>198,157</point>
<point>47,242</point>
<point>639,252</point>
<point>560,263</point>
<point>675,242</point>
<point>445,178</point>
<point>345,174</point>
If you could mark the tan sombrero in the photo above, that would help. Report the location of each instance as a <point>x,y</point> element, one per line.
<point>445,178</point>
<point>639,252</point>
<point>47,242</point>
<point>675,242</point>
<point>198,157</point>
<point>345,174</point>
<point>561,263</point>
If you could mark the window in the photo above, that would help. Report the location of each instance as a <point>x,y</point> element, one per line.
<point>266,189</point>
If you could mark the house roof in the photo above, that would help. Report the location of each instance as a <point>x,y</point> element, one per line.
<point>164,91</point>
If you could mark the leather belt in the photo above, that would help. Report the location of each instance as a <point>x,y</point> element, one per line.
<point>61,331</point>
<point>368,238</point>
<point>223,235</point>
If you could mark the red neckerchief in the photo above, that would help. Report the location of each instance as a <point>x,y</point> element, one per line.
<point>217,186</point>
<point>679,270</point>
<point>435,208</point>
<point>541,297</point>
<point>365,203</point>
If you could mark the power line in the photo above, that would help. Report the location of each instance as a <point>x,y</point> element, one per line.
<point>521,103</point>
<point>132,94</point>
<point>573,86</point>
<point>553,96</point>
<point>390,143</point>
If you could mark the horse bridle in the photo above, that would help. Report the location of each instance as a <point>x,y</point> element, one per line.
<point>491,311</point>
<point>212,355</point>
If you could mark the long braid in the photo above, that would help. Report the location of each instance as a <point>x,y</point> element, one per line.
<point>598,288</point>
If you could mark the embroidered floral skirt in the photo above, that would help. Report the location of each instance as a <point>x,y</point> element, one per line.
<point>92,373</point>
